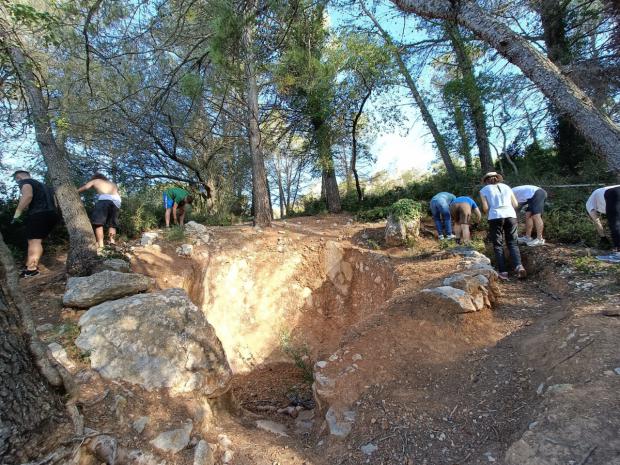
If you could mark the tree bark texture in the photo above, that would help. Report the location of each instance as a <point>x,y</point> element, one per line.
<point>326,161</point>
<point>82,246</point>
<point>358,188</point>
<point>464,146</point>
<point>27,402</point>
<point>417,97</point>
<point>568,99</point>
<point>261,201</point>
<point>473,95</point>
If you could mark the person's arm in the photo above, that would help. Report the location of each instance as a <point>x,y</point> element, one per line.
<point>88,185</point>
<point>24,200</point>
<point>483,202</point>
<point>477,214</point>
<point>598,224</point>
<point>513,200</point>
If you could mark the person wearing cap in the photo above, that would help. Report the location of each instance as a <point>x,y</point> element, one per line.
<point>175,200</point>
<point>37,199</point>
<point>606,201</point>
<point>106,209</point>
<point>533,199</point>
<point>440,209</point>
<point>499,202</point>
<point>461,209</point>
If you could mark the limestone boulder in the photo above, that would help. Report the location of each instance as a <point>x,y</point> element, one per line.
<point>84,292</point>
<point>185,250</point>
<point>156,340</point>
<point>399,232</point>
<point>477,286</point>
<point>192,228</point>
<point>340,421</point>
<point>448,299</point>
<point>148,238</point>
<point>115,264</point>
<point>175,440</point>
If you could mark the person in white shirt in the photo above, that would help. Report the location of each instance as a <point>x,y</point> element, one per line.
<point>106,209</point>
<point>606,201</point>
<point>499,202</point>
<point>533,199</point>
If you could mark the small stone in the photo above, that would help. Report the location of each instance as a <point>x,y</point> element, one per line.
<point>148,238</point>
<point>175,440</point>
<point>489,457</point>
<point>139,424</point>
<point>617,370</point>
<point>272,427</point>
<point>340,423</point>
<point>441,437</point>
<point>224,441</point>
<point>60,355</point>
<point>559,388</point>
<point>228,456</point>
<point>540,389</point>
<point>120,406</point>
<point>532,425</point>
<point>321,364</point>
<point>185,250</point>
<point>369,448</point>
<point>280,248</point>
<point>45,327</point>
<point>203,454</point>
<point>356,357</point>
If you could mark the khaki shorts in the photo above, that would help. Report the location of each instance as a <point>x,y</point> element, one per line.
<point>460,212</point>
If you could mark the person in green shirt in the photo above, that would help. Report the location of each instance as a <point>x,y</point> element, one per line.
<point>175,200</point>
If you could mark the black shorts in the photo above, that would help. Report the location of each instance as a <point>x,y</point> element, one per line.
<point>536,204</point>
<point>105,214</point>
<point>39,225</point>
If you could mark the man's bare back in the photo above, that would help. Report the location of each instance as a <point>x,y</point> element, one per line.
<point>104,187</point>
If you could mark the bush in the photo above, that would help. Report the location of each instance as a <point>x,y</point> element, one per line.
<point>140,212</point>
<point>406,210</point>
<point>372,215</point>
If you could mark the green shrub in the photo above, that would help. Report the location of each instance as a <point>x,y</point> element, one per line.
<point>140,212</point>
<point>174,234</point>
<point>373,214</point>
<point>406,209</point>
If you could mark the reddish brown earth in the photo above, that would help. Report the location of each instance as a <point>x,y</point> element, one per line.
<point>431,391</point>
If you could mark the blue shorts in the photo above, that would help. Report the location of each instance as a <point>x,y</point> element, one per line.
<point>168,202</point>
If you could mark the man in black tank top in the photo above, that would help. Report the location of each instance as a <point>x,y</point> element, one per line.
<point>38,200</point>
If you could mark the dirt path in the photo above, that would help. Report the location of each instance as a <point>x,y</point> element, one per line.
<point>537,373</point>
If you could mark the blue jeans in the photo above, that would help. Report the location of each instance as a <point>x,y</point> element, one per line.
<point>441,214</point>
<point>498,229</point>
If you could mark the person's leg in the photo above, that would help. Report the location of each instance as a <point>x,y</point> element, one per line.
<point>465,234</point>
<point>35,252</point>
<point>510,231</point>
<point>167,217</point>
<point>99,235</point>
<point>181,212</point>
<point>529,224</point>
<point>447,219</point>
<point>497,239</point>
<point>112,235</point>
<point>436,213</point>
<point>612,211</point>
<point>539,225</point>
<point>113,222</point>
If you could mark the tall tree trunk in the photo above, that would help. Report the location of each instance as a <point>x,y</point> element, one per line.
<point>421,104</point>
<point>260,197</point>
<point>473,95</point>
<point>326,160</point>
<point>572,147</point>
<point>82,246</point>
<point>358,188</point>
<point>569,100</point>
<point>464,146</point>
<point>28,403</point>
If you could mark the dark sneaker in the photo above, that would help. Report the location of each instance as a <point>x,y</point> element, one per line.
<point>503,276</point>
<point>520,270</point>
<point>26,273</point>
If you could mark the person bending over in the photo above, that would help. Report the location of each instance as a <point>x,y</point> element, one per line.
<point>106,209</point>
<point>175,200</point>
<point>606,201</point>
<point>461,210</point>
<point>533,198</point>
<point>38,200</point>
<point>500,203</point>
<point>440,209</point>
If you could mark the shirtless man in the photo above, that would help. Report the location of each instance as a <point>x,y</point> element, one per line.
<point>107,207</point>
<point>606,201</point>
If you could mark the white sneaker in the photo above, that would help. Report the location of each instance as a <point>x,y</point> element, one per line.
<point>440,237</point>
<point>535,242</point>
<point>451,236</point>
<point>523,240</point>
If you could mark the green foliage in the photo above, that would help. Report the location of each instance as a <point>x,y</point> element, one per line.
<point>373,214</point>
<point>300,353</point>
<point>406,209</point>
<point>141,211</point>
<point>174,234</point>
<point>590,265</point>
<point>46,25</point>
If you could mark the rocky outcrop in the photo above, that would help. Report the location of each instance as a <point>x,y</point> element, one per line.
<point>175,440</point>
<point>148,238</point>
<point>114,264</point>
<point>156,340</point>
<point>84,292</point>
<point>185,250</point>
<point>400,232</point>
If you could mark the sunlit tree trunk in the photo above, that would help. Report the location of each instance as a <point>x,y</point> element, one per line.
<point>326,160</point>
<point>568,99</point>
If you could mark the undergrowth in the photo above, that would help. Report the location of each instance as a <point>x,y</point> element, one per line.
<point>299,353</point>
<point>590,265</point>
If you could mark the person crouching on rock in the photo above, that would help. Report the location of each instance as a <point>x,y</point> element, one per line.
<point>533,198</point>
<point>461,209</point>
<point>606,201</point>
<point>440,209</point>
<point>175,200</point>
<point>500,203</point>
<point>38,200</point>
<point>106,209</point>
